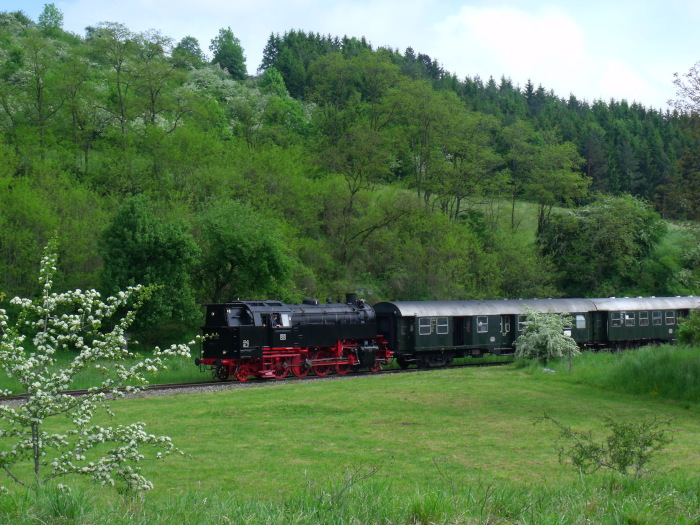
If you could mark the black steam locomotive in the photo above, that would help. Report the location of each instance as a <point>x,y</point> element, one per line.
<point>269,339</point>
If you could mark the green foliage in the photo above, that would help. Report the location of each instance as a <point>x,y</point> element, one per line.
<point>272,82</point>
<point>50,19</point>
<point>689,330</point>
<point>228,54</point>
<point>139,248</point>
<point>628,449</point>
<point>328,140</point>
<point>187,53</point>
<point>544,337</point>
<point>243,254</point>
<point>599,249</point>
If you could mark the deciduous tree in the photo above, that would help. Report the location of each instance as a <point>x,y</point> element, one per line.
<point>228,53</point>
<point>243,254</point>
<point>599,249</point>
<point>140,248</point>
<point>83,323</point>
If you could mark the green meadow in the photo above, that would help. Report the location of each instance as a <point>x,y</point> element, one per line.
<point>444,446</point>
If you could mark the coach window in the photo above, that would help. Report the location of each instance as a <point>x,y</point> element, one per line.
<point>442,326</point>
<point>580,321</point>
<point>643,318</point>
<point>671,317</point>
<point>616,319</point>
<point>656,318</point>
<point>482,324</point>
<point>424,326</point>
<point>522,319</point>
<point>629,319</point>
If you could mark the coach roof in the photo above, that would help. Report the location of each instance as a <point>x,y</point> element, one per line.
<point>520,306</point>
<point>483,307</point>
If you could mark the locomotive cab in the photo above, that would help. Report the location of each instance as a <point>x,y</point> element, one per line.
<point>229,333</point>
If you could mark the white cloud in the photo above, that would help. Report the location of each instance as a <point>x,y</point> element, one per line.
<point>547,47</point>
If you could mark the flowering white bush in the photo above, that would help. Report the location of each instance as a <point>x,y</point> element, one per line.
<point>546,336</point>
<point>92,329</point>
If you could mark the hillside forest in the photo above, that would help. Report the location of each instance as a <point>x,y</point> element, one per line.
<point>338,167</point>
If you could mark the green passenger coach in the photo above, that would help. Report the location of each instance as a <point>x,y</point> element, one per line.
<point>432,333</point>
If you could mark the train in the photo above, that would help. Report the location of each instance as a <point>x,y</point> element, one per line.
<point>272,339</point>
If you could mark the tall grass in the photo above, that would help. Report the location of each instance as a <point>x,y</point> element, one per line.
<point>669,372</point>
<point>603,500</point>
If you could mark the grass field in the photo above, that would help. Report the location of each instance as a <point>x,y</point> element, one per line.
<point>447,446</point>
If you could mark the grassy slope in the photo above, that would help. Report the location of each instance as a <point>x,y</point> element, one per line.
<point>477,424</point>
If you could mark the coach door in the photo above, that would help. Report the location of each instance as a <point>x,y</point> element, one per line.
<point>507,335</point>
<point>460,330</point>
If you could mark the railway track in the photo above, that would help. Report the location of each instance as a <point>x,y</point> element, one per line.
<point>211,384</point>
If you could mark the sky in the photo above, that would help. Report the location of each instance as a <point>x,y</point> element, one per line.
<point>593,49</point>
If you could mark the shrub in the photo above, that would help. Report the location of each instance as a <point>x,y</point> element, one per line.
<point>689,331</point>
<point>627,450</point>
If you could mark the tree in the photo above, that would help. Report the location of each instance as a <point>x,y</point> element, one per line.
<point>555,179</point>
<point>425,116</point>
<point>599,250</point>
<point>688,91</point>
<point>473,172</point>
<point>115,44</point>
<point>272,83</point>
<point>87,326</point>
<point>243,254</point>
<point>228,54</point>
<point>140,248</point>
<point>520,156</point>
<point>187,53</point>
<point>544,337</point>
<point>51,19</point>
<point>595,155</point>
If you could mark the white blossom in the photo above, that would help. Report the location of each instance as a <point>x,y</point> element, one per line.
<point>66,322</point>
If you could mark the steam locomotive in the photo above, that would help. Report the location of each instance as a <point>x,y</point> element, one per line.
<point>270,339</point>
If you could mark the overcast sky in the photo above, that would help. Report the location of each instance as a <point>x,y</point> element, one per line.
<point>594,49</point>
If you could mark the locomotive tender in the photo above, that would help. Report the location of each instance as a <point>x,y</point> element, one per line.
<point>268,339</point>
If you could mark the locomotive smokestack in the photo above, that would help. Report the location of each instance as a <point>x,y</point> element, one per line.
<point>350,298</point>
